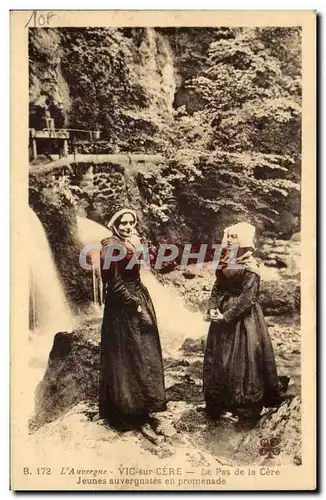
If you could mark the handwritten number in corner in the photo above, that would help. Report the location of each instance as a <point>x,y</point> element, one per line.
<point>38,20</point>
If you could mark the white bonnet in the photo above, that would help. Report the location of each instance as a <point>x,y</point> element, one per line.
<point>245,233</point>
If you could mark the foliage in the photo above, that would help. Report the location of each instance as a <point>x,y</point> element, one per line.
<point>233,141</point>
<point>56,191</point>
<point>102,68</point>
<point>244,130</point>
<point>158,186</point>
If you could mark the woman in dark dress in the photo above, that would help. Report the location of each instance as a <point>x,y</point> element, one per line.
<point>131,371</point>
<point>240,373</point>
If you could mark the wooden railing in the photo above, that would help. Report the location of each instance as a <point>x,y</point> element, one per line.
<point>62,137</point>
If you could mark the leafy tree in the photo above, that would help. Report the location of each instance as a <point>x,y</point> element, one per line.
<point>245,131</point>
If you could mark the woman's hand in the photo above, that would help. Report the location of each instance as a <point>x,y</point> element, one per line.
<point>215,314</point>
<point>212,314</point>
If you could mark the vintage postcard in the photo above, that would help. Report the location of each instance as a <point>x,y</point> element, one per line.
<point>163,329</point>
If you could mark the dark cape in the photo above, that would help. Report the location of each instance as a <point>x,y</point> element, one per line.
<point>131,370</point>
<point>239,365</point>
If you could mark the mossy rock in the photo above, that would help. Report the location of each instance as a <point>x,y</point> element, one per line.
<point>280,297</point>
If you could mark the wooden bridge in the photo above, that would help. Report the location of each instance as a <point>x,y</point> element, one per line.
<point>50,137</point>
<point>129,161</point>
<point>62,137</point>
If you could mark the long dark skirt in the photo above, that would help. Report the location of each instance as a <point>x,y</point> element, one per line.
<point>131,371</point>
<point>239,366</point>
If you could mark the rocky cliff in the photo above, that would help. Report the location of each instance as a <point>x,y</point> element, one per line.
<point>48,89</point>
<point>110,80</point>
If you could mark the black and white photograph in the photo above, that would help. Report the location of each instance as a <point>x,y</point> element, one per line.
<point>166,229</point>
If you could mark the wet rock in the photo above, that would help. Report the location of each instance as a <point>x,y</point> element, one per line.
<point>187,391</point>
<point>280,297</point>
<point>275,261</point>
<point>279,249</point>
<point>71,375</point>
<point>179,374</point>
<point>189,274</point>
<point>177,283</point>
<point>296,237</point>
<point>175,363</point>
<point>283,255</point>
<point>270,263</point>
<point>282,424</point>
<point>191,346</point>
<point>195,369</point>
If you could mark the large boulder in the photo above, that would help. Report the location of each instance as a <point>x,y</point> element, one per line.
<point>71,375</point>
<point>280,297</point>
<point>279,429</point>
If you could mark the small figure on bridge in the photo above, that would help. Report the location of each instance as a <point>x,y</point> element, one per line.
<point>49,122</point>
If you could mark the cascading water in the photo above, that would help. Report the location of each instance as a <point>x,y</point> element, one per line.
<point>167,71</point>
<point>49,311</point>
<point>156,71</point>
<point>92,233</point>
<point>175,321</point>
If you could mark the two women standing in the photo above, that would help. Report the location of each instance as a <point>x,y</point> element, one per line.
<point>239,365</point>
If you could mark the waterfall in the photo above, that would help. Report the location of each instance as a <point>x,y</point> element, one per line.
<point>156,71</point>
<point>49,311</point>
<point>90,232</point>
<point>167,71</point>
<point>175,321</point>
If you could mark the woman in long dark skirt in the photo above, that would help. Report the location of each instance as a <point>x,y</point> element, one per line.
<point>240,373</point>
<point>131,371</point>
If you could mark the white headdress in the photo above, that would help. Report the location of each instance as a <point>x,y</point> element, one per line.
<point>245,233</point>
<point>118,213</point>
